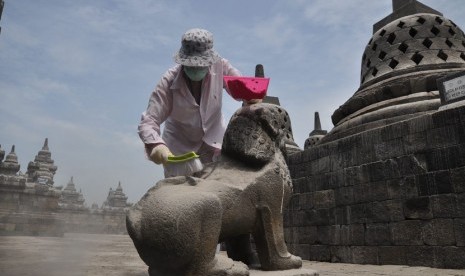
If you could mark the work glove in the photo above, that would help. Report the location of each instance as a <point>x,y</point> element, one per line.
<point>160,154</point>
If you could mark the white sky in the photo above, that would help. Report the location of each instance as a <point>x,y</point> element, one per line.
<point>81,72</point>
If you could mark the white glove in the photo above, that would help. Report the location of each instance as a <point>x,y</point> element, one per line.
<point>160,154</point>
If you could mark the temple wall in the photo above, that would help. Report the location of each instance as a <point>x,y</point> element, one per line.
<point>37,213</point>
<point>94,222</point>
<point>389,195</point>
<point>29,212</point>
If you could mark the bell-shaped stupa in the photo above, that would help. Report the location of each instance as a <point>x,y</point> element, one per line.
<point>42,169</point>
<point>409,50</point>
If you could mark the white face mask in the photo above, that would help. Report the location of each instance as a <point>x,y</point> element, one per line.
<point>195,73</point>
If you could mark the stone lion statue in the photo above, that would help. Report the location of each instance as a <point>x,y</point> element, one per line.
<point>178,223</point>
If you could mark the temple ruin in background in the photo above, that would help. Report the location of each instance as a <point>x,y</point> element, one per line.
<point>30,204</point>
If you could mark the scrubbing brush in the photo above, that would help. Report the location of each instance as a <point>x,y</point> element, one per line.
<point>186,164</point>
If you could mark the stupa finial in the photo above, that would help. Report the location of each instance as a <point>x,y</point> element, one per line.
<point>45,147</point>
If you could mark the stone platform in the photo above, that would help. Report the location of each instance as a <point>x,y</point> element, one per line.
<point>115,255</point>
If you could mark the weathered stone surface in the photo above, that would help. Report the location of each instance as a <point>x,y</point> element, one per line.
<point>402,188</point>
<point>323,199</point>
<point>385,211</point>
<point>341,254</point>
<point>307,235</point>
<point>358,213</point>
<point>407,232</point>
<point>378,234</point>
<point>390,255</point>
<point>317,217</point>
<point>459,230</point>
<point>453,257</point>
<point>320,252</point>
<point>418,196</point>
<point>445,158</point>
<point>178,223</point>
<point>460,204</point>
<point>458,179</point>
<point>396,159</point>
<point>422,256</point>
<point>438,232</point>
<point>444,206</point>
<point>353,234</point>
<point>365,254</point>
<point>344,195</point>
<point>329,234</point>
<point>418,208</point>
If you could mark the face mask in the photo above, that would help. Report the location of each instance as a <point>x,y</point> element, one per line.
<point>195,73</point>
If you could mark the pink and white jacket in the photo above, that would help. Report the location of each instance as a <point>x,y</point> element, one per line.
<point>186,124</point>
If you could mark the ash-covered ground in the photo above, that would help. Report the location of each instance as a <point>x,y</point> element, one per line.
<point>115,255</point>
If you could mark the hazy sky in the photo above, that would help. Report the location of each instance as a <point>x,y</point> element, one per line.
<point>80,72</point>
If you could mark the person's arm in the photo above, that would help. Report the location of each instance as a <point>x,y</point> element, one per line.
<point>159,108</point>
<point>228,69</point>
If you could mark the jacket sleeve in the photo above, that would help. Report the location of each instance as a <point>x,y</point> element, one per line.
<point>158,110</point>
<point>229,70</point>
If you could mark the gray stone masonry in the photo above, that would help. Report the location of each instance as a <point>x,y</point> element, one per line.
<point>390,195</point>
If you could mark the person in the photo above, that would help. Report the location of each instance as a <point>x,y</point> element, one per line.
<point>188,100</point>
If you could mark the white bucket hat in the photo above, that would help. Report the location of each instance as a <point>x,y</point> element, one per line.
<point>196,49</point>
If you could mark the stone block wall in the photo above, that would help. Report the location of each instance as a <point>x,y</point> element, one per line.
<point>390,195</point>
<point>36,212</point>
<point>94,221</point>
<point>29,212</point>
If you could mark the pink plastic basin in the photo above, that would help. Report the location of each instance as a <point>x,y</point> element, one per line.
<point>247,88</point>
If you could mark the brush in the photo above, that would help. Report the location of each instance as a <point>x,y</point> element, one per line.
<point>185,164</point>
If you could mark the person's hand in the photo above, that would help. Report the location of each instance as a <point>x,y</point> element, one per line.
<point>252,101</point>
<point>160,154</point>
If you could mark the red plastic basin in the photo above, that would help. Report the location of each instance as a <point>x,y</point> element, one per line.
<point>247,88</point>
